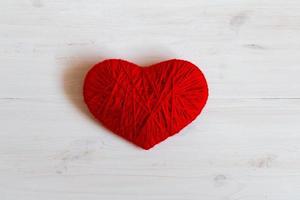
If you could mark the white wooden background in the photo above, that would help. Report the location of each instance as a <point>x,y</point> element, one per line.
<point>244,146</point>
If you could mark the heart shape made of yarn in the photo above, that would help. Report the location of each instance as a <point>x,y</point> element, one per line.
<point>145,105</point>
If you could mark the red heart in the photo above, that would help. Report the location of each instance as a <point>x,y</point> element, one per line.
<point>145,105</point>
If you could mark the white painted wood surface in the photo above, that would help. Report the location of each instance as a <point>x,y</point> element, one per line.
<point>244,146</point>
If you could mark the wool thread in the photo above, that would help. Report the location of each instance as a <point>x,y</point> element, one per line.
<point>145,105</point>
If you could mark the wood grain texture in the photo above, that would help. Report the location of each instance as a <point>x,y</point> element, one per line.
<point>244,146</point>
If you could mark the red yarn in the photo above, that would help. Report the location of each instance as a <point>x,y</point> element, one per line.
<point>145,105</point>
